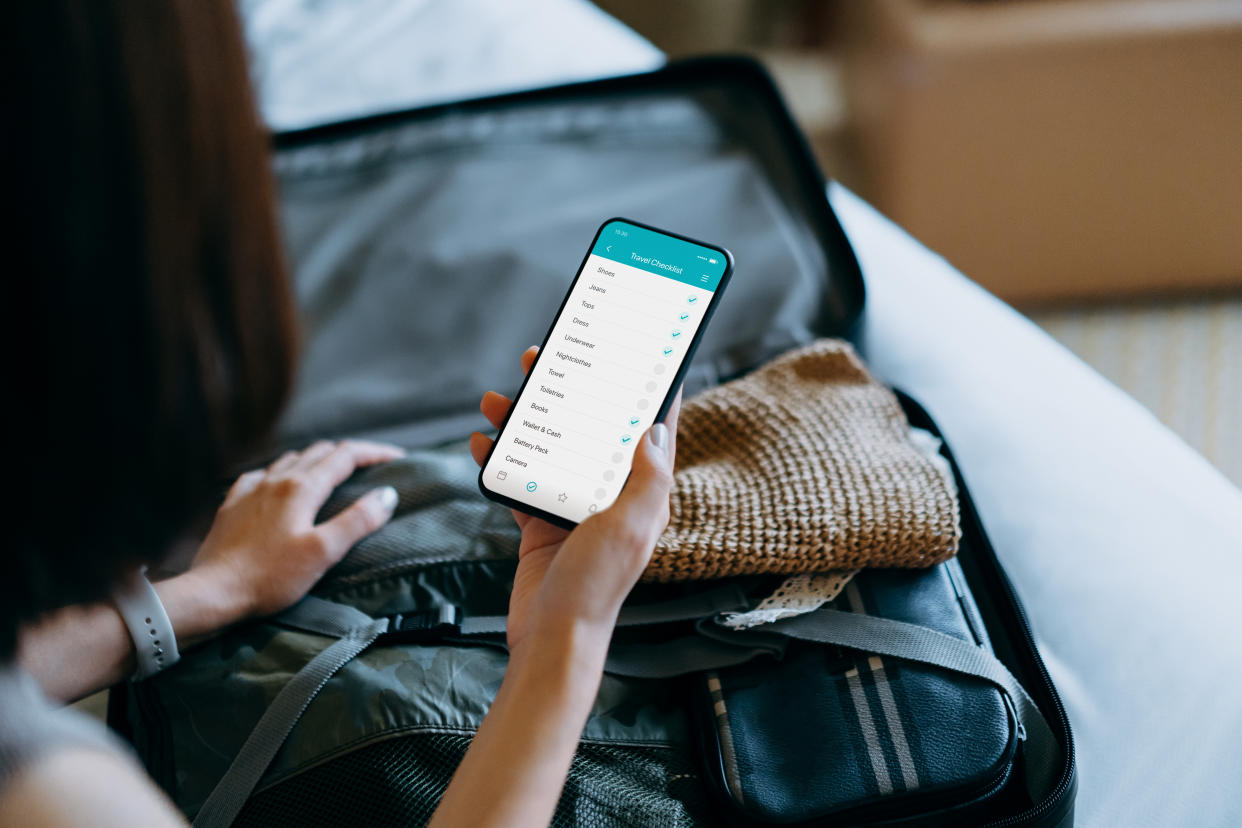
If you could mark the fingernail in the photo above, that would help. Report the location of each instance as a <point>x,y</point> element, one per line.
<point>659,435</point>
<point>387,497</point>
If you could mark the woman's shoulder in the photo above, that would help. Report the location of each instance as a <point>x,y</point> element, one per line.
<point>61,767</point>
<point>74,786</point>
<point>32,727</point>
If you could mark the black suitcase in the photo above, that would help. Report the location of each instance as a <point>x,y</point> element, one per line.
<point>429,247</point>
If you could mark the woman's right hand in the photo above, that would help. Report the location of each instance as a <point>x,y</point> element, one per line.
<point>580,578</point>
<point>566,594</point>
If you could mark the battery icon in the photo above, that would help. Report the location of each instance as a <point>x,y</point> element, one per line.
<point>711,261</point>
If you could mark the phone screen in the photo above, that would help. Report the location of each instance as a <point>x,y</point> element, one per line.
<point>607,371</point>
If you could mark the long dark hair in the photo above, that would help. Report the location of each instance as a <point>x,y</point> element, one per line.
<point>147,301</point>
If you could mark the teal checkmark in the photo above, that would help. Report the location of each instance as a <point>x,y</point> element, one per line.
<point>668,351</point>
<point>531,486</point>
<point>684,317</point>
<point>625,438</point>
<point>676,333</point>
<point>692,299</point>
<point>633,421</point>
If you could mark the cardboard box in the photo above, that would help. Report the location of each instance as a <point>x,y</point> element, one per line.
<point>1055,149</point>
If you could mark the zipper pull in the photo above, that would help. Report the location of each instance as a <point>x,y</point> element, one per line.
<point>1014,712</point>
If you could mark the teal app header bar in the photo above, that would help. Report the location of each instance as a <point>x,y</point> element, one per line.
<point>663,255</point>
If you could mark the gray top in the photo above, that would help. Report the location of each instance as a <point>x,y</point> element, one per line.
<point>31,725</point>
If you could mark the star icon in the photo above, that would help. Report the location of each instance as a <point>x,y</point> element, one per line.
<point>562,497</point>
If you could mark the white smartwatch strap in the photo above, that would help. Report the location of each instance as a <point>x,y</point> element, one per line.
<point>155,645</point>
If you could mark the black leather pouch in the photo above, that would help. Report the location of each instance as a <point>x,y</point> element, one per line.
<point>841,737</point>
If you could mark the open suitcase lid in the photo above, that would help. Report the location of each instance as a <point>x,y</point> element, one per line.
<point>431,246</point>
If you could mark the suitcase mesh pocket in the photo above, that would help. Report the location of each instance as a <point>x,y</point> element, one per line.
<point>399,781</point>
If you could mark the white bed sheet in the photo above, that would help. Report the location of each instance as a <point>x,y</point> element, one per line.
<point>326,60</point>
<point>1125,545</point>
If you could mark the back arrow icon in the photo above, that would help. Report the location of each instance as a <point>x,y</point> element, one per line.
<point>608,249</point>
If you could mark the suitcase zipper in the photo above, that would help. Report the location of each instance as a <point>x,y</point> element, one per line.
<point>1065,784</point>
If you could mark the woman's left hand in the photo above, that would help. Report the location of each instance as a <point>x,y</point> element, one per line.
<point>263,553</point>
<point>264,550</point>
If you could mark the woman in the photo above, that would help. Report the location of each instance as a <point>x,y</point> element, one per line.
<point>152,342</point>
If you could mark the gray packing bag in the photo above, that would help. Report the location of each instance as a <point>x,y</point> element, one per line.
<point>375,739</point>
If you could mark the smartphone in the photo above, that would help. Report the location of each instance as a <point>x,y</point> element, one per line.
<point>607,370</point>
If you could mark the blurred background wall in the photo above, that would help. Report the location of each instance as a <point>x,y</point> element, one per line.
<point>1081,159</point>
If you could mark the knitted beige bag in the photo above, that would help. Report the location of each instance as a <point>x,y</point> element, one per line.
<point>804,465</point>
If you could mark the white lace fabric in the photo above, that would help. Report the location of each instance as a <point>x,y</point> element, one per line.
<point>797,594</point>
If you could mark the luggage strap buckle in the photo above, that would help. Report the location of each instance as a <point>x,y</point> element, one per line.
<point>425,625</point>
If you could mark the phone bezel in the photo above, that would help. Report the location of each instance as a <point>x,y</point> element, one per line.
<point>678,377</point>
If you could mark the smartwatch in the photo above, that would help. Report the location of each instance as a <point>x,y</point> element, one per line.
<point>155,644</point>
